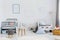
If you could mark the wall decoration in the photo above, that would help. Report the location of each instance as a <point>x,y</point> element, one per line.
<point>16,8</point>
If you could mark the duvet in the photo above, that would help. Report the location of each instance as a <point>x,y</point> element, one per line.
<point>31,36</point>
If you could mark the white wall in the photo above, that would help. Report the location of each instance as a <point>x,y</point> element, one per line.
<point>30,10</point>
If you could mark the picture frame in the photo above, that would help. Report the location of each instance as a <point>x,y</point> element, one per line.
<point>16,8</point>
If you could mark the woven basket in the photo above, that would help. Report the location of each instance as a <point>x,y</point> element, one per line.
<point>56,32</point>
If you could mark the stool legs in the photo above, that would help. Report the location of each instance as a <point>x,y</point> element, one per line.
<point>24,32</point>
<point>21,32</point>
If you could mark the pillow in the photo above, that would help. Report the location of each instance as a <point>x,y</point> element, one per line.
<point>40,31</point>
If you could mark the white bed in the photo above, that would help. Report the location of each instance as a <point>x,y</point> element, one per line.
<point>31,36</point>
<point>36,38</point>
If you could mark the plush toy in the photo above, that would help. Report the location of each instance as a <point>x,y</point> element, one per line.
<point>40,31</point>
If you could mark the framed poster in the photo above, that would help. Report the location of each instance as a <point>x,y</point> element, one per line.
<point>16,8</point>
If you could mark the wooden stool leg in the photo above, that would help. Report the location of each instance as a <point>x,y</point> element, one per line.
<point>21,32</point>
<point>24,31</point>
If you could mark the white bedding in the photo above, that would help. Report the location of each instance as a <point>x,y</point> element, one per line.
<point>36,38</point>
<point>30,36</point>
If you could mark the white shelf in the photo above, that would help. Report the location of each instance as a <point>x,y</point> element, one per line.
<point>8,27</point>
